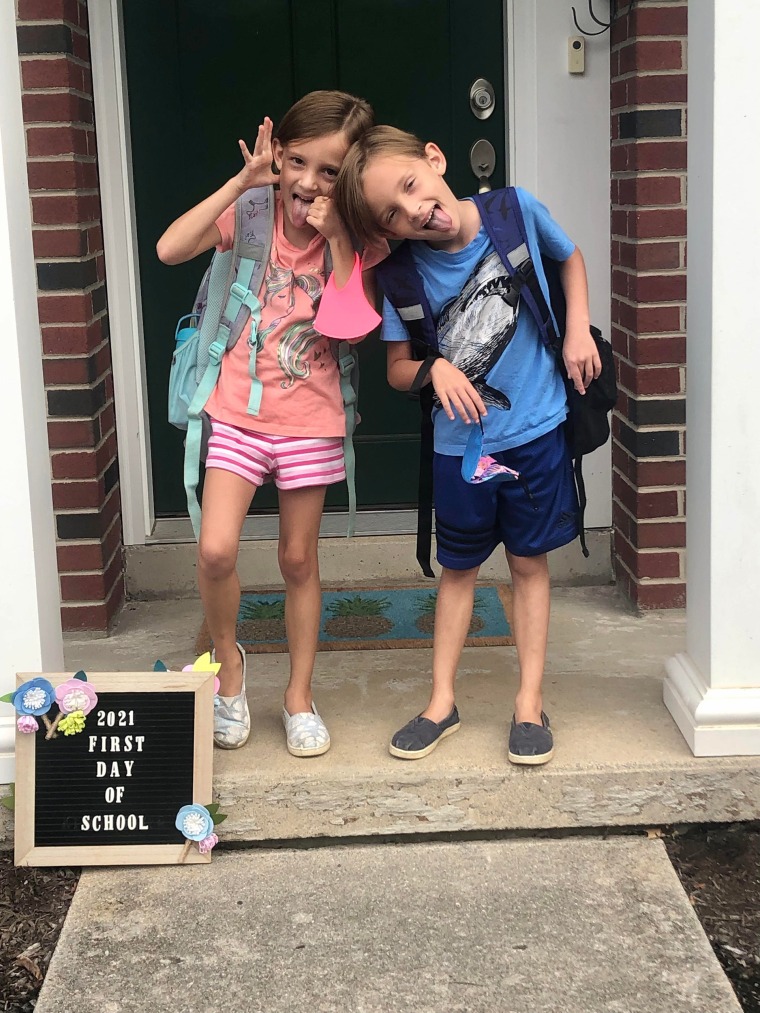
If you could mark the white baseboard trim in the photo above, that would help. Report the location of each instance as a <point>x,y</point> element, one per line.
<point>172,530</point>
<point>714,722</point>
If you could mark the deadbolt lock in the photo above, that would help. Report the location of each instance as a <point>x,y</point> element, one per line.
<point>482,98</point>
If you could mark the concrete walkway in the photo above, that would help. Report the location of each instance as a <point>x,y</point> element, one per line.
<point>576,926</point>
<point>620,760</point>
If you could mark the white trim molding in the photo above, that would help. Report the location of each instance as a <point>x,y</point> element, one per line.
<point>714,721</point>
<point>30,606</point>
<point>522,95</point>
<point>120,242</point>
<point>713,690</point>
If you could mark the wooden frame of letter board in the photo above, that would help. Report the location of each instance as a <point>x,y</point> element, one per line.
<point>27,853</point>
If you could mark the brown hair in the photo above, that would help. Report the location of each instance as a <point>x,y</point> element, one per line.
<point>325,112</point>
<point>349,192</point>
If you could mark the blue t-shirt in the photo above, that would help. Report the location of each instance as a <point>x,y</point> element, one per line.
<point>481,334</point>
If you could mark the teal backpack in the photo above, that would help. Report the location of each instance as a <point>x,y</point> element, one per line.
<point>226,300</point>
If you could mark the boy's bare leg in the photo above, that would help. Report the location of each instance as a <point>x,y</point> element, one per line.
<point>530,607</point>
<point>226,498</point>
<point>300,516</point>
<point>453,613</point>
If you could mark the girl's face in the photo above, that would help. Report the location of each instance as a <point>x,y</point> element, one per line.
<point>307,170</point>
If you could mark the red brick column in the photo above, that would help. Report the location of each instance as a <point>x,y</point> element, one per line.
<point>648,75</point>
<point>68,245</point>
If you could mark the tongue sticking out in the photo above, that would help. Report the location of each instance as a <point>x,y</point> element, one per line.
<point>299,211</point>
<point>439,221</point>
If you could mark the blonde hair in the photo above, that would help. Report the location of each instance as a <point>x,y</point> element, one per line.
<point>325,112</point>
<point>349,190</point>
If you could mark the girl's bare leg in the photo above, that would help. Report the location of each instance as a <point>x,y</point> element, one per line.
<point>226,499</point>
<point>300,516</point>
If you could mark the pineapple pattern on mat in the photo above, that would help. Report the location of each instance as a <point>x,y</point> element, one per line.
<point>260,620</point>
<point>381,617</point>
<point>358,617</point>
<point>425,621</point>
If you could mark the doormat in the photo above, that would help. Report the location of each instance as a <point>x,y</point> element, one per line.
<point>376,619</point>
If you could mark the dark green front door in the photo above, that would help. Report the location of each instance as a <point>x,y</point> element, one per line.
<point>201,75</point>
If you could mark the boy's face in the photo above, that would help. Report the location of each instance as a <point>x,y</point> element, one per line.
<point>409,198</point>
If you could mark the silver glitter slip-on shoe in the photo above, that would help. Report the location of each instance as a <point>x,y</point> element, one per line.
<point>306,733</point>
<point>232,719</point>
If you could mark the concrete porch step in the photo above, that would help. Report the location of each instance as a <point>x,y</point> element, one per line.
<point>620,760</point>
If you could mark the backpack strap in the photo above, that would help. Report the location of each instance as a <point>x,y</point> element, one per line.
<point>347,366</point>
<point>231,301</point>
<point>580,486</point>
<point>503,220</point>
<point>401,282</point>
<point>348,371</point>
<point>254,227</point>
<point>404,289</point>
<point>195,432</point>
<point>214,347</point>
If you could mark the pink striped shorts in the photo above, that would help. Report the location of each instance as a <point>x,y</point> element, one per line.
<point>293,462</point>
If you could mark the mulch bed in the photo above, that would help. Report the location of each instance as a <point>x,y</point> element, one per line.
<point>33,905</point>
<point>719,867</point>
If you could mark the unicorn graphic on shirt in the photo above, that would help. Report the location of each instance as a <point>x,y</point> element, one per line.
<point>296,341</point>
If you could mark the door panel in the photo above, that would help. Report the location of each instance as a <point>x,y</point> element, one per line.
<point>200,76</point>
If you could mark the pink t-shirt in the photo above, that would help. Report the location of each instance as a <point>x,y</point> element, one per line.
<point>296,366</point>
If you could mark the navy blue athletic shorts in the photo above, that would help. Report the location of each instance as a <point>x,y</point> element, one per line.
<point>530,517</point>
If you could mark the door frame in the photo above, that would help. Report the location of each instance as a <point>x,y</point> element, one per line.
<point>114,154</point>
<point>107,55</point>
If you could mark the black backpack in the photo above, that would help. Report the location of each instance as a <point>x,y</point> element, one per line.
<point>587,426</point>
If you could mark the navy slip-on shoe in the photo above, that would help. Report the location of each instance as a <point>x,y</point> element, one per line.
<point>529,743</point>
<point>420,736</point>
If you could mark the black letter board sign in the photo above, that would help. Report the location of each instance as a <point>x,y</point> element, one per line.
<point>104,785</point>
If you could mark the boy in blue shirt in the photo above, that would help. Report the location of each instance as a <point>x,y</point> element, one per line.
<point>493,369</point>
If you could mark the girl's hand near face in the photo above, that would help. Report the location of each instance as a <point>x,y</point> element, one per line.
<point>323,216</point>
<point>257,170</point>
<point>196,230</point>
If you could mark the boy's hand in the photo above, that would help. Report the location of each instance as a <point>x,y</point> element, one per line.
<point>456,392</point>
<point>257,170</point>
<point>323,216</point>
<point>581,358</point>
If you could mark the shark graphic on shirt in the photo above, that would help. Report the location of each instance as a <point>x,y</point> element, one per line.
<point>476,326</point>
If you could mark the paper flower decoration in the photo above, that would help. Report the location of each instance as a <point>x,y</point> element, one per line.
<point>194,822</point>
<point>205,664</point>
<point>207,844</point>
<point>34,697</point>
<point>26,723</point>
<point>72,723</point>
<point>75,695</point>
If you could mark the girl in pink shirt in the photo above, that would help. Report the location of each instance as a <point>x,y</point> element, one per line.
<point>296,437</point>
